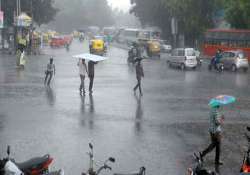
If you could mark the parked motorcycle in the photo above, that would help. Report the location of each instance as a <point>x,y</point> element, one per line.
<point>245,167</point>
<point>142,171</point>
<point>91,170</point>
<point>212,65</point>
<point>199,168</point>
<point>34,166</point>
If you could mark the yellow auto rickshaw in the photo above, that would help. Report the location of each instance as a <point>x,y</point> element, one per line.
<point>153,48</point>
<point>97,47</point>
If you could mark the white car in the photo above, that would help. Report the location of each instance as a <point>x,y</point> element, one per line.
<point>183,58</point>
<point>165,47</point>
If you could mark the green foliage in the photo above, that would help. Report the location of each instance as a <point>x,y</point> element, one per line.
<point>41,10</point>
<point>193,16</point>
<point>238,13</point>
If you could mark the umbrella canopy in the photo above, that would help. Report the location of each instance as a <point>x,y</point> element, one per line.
<point>92,57</point>
<point>221,100</point>
<point>24,20</point>
<point>25,17</point>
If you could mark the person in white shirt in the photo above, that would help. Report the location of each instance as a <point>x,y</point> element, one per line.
<point>82,72</point>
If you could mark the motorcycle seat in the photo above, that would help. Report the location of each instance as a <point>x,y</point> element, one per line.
<point>32,163</point>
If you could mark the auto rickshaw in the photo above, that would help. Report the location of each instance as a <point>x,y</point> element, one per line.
<point>97,47</point>
<point>153,48</point>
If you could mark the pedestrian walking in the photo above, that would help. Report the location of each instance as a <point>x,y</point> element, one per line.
<point>216,120</point>
<point>82,72</point>
<point>139,75</point>
<point>51,69</point>
<point>91,70</point>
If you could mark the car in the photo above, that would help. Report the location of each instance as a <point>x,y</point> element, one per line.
<point>57,41</point>
<point>235,60</point>
<point>165,48</point>
<point>183,58</point>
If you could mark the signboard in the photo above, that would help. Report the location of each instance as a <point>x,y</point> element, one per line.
<point>1,19</point>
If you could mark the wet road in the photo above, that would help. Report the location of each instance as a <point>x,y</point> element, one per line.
<point>160,131</point>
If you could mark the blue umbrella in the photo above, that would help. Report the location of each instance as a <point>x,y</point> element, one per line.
<point>221,100</point>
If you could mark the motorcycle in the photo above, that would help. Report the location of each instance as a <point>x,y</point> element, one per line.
<point>34,166</point>
<point>142,171</point>
<point>91,170</point>
<point>67,46</point>
<point>245,167</point>
<point>212,65</point>
<point>199,169</point>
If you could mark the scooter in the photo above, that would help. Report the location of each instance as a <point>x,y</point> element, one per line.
<point>199,169</point>
<point>219,66</point>
<point>91,170</point>
<point>245,167</point>
<point>34,166</point>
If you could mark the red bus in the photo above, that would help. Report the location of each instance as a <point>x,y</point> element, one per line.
<point>228,39</point>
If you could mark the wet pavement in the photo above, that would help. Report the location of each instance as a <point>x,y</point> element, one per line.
<point>160,131</point>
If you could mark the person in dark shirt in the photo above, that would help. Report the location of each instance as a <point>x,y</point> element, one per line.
<point>139,75</point>
<point>91,70</point>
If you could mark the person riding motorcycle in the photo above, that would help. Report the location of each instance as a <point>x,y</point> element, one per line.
<point>217,58</point>
<point>134,52</point>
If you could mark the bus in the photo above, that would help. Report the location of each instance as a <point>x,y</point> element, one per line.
<point>229,39</point>
<point>109,31</point>
<point>128,36</point>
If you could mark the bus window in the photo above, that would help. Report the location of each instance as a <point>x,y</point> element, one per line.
<point>224,43</point>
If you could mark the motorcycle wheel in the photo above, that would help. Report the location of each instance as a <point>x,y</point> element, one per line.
<point>221,68</point>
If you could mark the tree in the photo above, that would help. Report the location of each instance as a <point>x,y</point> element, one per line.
<point>237,13</point>
<point>193,16</point>
<point>82,13</point>
<point>41,10</point>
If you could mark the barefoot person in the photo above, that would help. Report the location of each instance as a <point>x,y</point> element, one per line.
<point>51,69</point>
<point>82,72</point>
<point>91,70</point>
<point>139,75</point>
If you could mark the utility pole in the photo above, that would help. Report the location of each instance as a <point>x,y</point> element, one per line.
<point>18,7</point>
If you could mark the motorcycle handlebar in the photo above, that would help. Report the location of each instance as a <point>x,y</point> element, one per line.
<point>108,167</point>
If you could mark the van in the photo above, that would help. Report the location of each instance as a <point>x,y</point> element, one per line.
<point>183,58</point>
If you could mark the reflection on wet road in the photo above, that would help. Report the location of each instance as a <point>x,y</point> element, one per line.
<point>160,130</point>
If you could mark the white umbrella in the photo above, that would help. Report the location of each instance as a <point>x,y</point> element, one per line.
<point>92,57</point>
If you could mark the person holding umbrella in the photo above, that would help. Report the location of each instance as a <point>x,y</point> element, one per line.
<point>93,59</point>
<point>216,120</point>
<point>91,68</point>
<point>82,72</point>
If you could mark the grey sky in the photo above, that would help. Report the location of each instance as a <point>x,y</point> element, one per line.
<point>121,4</point>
